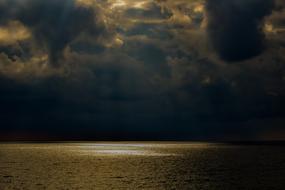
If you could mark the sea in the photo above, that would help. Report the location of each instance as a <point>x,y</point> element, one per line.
<point>142,165</point>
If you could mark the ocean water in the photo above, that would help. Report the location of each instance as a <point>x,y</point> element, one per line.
<point>137,165</point>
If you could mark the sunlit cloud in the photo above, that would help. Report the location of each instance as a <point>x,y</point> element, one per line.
<point>13,32</point>
<point>269,28</point>
<point>118,4</point>
<point>86,2</point>
<point>199,8</point>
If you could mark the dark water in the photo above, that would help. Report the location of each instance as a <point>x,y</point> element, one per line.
<point>134,166</point>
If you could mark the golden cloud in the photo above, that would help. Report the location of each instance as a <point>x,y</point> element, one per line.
<point>13,32</point>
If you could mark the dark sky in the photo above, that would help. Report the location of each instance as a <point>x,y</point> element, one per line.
<point>142,70</point>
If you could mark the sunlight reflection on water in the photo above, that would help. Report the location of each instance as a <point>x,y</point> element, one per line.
<point>122,153</point>
<point>97,149</point>
<point>118,149</point>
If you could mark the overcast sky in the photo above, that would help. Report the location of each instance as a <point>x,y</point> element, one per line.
<point>142,69</point>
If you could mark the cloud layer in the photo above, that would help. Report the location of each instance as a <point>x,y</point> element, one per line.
<point>124,69</point>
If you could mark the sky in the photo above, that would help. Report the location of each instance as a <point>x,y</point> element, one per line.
<point>142,70</point>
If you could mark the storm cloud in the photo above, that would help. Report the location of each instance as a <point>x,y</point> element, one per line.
<point>236,27</point>
<point>54,24</point>
<point>136,69</point>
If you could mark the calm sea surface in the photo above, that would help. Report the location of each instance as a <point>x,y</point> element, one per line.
<point>133,166</point>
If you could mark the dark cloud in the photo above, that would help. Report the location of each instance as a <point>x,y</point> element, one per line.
<point>54,24</point>
<point>146,73</point>
<point>11,51</point>
<point>236,27</point>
